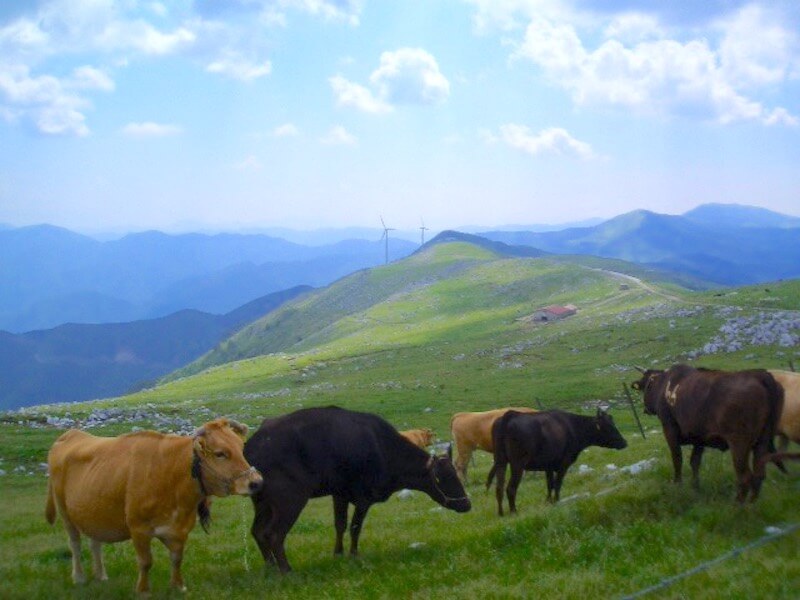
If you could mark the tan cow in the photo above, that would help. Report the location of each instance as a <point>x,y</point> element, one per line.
<point>419,437</point>
<point>789,424</point>
<point>471,430</point>
<point>143,485</point>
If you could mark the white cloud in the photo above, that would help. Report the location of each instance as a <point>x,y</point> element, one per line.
<point>148,129</point>
<point>756,48</point>
<point>405,76</point>
<point>338,10</point>
<point>285,130</point>
<point>410,76</point>
<point>548,141</point>
<point>90,78</point>
<point>339,136</point>
<point>634,27</point>
<point>235,66</point>
<point>660,76</point>
<point>54,105</point>
<point>251,163</point>
<point>357,96</point>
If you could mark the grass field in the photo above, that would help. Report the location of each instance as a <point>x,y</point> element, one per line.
<point>445,334</point>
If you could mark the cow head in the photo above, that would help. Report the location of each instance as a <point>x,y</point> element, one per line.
<point>219,464</point>
<point>647,384</point>
<point>447,488</point>
<point>608,435</point>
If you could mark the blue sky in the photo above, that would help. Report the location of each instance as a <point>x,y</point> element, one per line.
<point>222,115</point>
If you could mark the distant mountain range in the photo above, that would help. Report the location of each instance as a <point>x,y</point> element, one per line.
<point>167,301</point>
<point>51,276</point>
<point>720,244</point>
<point>80,362</point>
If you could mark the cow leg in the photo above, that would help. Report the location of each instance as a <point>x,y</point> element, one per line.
<point>675,451</point>
<point>280,524</point>
<point>513,484</point>
<point>549,475</point>
<point>464,454</point>
<point>557,481</point>
<point>500,480</point>
<point>759,469</point>
<point>78,575</point>
<point>340,506</point>
<point>694,461</point>
<point>740,454</point>
<point>141,543</point>
<point>359,514</point>
<point>260,529</point>
<point>97,561</point>
<point>175,547</point>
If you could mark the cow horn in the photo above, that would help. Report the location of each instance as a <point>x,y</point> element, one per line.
<point>239,428</point>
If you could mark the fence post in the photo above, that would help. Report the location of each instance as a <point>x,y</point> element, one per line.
<point>633,409</point>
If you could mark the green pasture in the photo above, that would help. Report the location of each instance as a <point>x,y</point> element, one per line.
<point>446,332</point>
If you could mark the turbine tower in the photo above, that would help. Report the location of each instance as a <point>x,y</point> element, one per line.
<point>385,237</point>
<point>422,229</point>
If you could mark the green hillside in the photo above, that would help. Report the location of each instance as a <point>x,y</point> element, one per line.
<point>447,330</point>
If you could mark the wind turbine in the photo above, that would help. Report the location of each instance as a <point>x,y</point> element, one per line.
<point>422,229</point>
<point>385,237</point>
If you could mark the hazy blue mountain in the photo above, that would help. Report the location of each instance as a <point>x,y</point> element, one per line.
<point>727,251</point>
<point>51,276</point>
<point>737,215</point>
<point>78,362</point>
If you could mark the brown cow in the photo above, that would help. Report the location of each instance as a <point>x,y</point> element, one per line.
<point>789,423</point>
<point>421,438</point>
<point>471,430</point>
<point>143,485</point>
<point>721,409</point>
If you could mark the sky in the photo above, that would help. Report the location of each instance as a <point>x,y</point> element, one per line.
<point>124,115</point>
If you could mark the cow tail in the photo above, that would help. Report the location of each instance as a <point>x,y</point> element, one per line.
<point>775,395</point>
<point>499,443</point>
<point>50,510</point>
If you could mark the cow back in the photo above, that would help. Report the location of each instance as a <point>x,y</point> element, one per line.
<point>330,450</point>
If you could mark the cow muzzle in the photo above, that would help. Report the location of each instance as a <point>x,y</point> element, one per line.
<point>247,483</point>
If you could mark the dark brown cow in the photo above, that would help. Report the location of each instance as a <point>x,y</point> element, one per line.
<point>717,409</point>
<point>358,458</point>
<point>548,441</point>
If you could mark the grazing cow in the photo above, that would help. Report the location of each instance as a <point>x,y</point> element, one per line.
<point>789,424</point>
<point>718,409</point>
<point>471,430</point>
<point>143,485</point>
<point>548,441</point>
<point>358,458</point>
<point>421,438</point>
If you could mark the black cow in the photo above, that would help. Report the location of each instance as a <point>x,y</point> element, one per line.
<point>717,409</point>
<point>548,441</point>
<point>358,458</point>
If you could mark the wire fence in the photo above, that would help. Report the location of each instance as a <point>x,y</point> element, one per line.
<point>665,583</point>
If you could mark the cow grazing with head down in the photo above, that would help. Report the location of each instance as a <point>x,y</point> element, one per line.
<point>143,485</point>
<point>421,438</point>
<point>789,424</point>
<point>358,458</point>
<point>473,430</point>
<point>548,441</point>
<point>736,410</point>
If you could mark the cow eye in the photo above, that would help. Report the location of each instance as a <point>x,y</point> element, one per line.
<point>220,454</point>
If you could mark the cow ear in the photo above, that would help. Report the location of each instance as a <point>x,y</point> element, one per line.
<point>239,429</point>
<point>199,441</point>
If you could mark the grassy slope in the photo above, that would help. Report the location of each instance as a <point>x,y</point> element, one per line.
<point>441,335</point>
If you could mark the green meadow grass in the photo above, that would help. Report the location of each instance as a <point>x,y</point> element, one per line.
<point>443,333</point>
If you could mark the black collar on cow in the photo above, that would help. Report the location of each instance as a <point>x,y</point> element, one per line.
<point>447,499</point>
<point>203,512</point>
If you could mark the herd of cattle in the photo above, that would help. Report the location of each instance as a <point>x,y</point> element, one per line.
<point>146,485</point>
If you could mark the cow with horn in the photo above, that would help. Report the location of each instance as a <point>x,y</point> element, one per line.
<point>736,410</point>
<point>141,486</point>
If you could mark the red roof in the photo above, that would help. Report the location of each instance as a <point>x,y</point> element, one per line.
<point>558,310</point>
